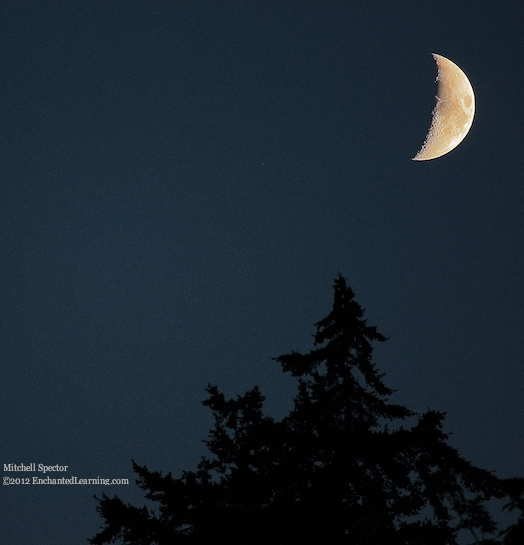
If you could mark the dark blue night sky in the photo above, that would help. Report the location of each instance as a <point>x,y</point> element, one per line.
<point>180,182</point>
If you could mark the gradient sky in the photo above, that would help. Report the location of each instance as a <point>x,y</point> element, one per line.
<point>181,182</point>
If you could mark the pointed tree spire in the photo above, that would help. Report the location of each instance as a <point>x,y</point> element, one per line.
<point>338,378</point>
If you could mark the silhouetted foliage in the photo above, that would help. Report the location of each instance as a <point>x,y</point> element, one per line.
<point>344,466</point>
<point>514,488</point>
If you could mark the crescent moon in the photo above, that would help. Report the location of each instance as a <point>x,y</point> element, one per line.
<point>453,113</point>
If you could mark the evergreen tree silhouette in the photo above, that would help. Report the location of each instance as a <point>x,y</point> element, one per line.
<point>345,466</point>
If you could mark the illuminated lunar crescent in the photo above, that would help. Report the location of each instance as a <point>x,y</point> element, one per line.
<point>453,113</point>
